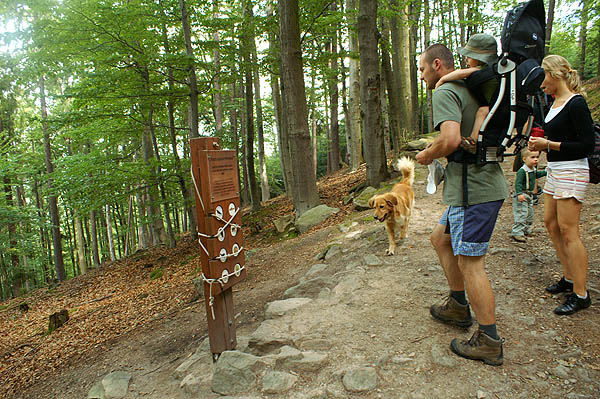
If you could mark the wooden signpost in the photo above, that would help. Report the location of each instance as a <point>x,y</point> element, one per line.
<point>215,178</point>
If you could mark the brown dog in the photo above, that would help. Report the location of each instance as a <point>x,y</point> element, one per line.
<point>394,208</point>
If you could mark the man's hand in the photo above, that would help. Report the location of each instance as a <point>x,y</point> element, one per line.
<point>521,197</point>
<point>422,157</point>
<point>446,143</point>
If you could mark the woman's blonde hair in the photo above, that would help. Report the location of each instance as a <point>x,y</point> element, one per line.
<point>559,68</point>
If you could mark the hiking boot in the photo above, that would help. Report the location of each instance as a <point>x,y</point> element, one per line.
<point>561,286</point>
<point>452,312</point>
<point>573,304</point>
<point>480,347</point>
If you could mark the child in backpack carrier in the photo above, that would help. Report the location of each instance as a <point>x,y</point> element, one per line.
<point>525,188</point>
<point>481,51</point>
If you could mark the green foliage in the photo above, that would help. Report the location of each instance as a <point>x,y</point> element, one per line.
<point>564,42</point>
<point>156,273</point>
<point>106,67</point>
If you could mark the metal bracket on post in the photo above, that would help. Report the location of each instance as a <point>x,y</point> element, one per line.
<point>215,179</point>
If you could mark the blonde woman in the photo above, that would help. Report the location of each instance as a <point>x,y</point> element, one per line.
<point>570,137</point>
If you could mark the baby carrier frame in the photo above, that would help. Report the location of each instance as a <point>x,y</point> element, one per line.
<point>520,75</point>
<point>523,39</point>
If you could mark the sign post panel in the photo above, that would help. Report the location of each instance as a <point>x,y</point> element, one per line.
<point>216,183</point>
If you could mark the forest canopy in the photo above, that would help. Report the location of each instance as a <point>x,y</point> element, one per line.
<point>98,102</point>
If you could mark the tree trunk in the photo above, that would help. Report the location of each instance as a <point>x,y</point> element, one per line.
<point>8,195</point>
<point>370,93</point>
<point>163,195</point>
<point>428,107</point>
<point>391,86</point>
<point>583,37</point>
<point>353,122</point>
<point>187,34</point>
<point>334,129</point>
<point>233,121</point>
<point>218,103</point>
<point>276,95</point>
<point>414,13</point>
<point>385,120</point>
<point>249,95</point>
<point>403,72</point>
<point>262,163</point>
<point>44,241</point>
<point>549,23</point>
<point>80,245</point>
<point>25,226</point>
<point>343,74</point>
<point>94,237</point>
<point>18,276</point>
<point>52,200</point>
<point>109,234</point>
<point>188,199</point>
<point>243,134</point>
<point>304,184</point>
<point>159,235</point>
<point>312,110</point>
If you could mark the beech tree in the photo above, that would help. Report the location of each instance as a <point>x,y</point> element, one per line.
<point>370,92</point>
<point>303,186</point>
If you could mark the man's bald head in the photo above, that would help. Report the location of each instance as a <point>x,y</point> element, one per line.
<point>440,52</point>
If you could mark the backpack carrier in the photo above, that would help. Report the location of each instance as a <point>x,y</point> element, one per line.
<point>520,75</point>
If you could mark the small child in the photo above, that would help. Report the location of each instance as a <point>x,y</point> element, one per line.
<point>481,51</point>
<point>525,187</point>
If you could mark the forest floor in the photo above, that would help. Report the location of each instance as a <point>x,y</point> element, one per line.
<point>121,319</point>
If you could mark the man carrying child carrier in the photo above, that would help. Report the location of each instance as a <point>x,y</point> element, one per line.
<point>461,238</point>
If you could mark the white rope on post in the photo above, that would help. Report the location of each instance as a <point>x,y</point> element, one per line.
<point>221,280</point>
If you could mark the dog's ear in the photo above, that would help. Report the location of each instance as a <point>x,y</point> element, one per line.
<point>391,200</point>
<point>372,201</point>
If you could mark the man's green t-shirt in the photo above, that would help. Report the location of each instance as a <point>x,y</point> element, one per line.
<point>452,101</point>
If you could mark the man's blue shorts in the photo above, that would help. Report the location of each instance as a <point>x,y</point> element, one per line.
<point>470,227</point>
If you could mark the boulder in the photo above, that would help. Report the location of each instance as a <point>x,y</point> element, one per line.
<point>235,372</point>
<point>315,269</point>
<point>283,223</point>
<point>278,382</point>
<point>184,368</point>
<point>279,308</point>
<point>191,384</point>
<point>308,288</point>
<point>113,386</point>
<point>313,217</point>
<point>360,379</point>
<point>334,251</point>
<point>269,336</point>
<point>361,202</point>
<point>310,361</point>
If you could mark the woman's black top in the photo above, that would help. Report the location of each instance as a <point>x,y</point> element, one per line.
<point>573,128</point>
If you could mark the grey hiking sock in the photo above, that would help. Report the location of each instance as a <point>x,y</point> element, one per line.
<point>490,330</point>
<point>459,296</point>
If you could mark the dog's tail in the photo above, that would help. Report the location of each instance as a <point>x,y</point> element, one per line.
<point>407,167</point>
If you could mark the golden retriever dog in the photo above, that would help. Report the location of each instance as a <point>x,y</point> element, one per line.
<point>394,208</point>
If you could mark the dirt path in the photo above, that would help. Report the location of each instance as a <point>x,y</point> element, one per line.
<point>377,316</point>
